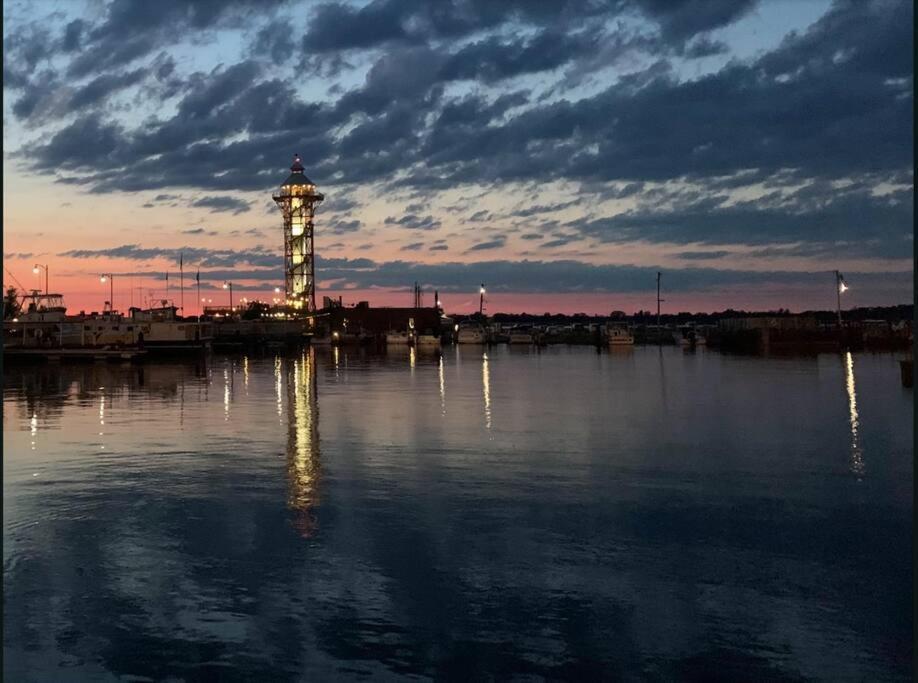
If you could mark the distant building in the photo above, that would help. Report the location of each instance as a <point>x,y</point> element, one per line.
<point>363,320</point>
<point>791,322</point>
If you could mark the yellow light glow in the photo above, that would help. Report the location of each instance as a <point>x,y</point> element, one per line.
<point>486,387</point>
<point>442,387</point>
<point>857,460</point>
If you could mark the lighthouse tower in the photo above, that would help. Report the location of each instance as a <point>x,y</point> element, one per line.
<point>297,200</point>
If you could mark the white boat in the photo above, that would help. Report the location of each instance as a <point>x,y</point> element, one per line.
<point>471,334</point>
<point>619,336</point>
<point>399,339</point>
<point>45,325</point>
<point>160,329</point>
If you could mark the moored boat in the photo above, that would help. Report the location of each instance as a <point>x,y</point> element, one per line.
<point>619,335</point>
<point>471,334</point>
<point>427,341</point>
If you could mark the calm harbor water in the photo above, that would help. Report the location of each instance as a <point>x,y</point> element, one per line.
<point>488,514</point>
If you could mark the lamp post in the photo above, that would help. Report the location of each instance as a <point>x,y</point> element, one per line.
<point>229,286</point>
<point>840,286</point>
<point>481,300</point>
<point>36,271</point>
<point>111,290</point>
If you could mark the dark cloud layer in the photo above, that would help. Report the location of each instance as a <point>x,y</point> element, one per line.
<point>219,204</point>
<point>448,100</point>
<point>563,276</point>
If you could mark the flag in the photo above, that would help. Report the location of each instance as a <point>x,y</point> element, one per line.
<point>180,259</point>
<point>197,276</point>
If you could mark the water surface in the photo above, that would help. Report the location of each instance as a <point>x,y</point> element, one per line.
<point>641,515</point>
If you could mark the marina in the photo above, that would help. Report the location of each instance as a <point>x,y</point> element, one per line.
<point>575,343</point>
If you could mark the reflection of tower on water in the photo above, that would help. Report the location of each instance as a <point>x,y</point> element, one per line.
<point>302,441</point>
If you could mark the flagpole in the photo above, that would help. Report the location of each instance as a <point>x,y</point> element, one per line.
<point>182,282</point>
<point>201,309</point>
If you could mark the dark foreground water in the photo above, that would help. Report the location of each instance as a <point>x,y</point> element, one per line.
<point>642,515</point>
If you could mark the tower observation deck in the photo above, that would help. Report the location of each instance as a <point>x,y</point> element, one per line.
<point>297,199</point>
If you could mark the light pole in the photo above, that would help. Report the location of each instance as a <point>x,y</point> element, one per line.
<point>111,290</point>
<point>481,300</point>
<point>659,331</point>
<point>45,268</point>
<point>840,286</point>
<point>229,286</point>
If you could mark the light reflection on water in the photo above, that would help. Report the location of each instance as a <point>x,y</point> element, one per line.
<point>486,388</point>
<point>574,515</point>
<point>857,459</point>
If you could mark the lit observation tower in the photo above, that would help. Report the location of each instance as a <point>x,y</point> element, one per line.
<point>297,200</point>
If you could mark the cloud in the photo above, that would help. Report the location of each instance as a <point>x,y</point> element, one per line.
<point>207,258</point>
<point>540,209</point>
<point>701,255</point>
<point>832,101</point>
<point>496,58</point>
<point>571,276</point>
<point>222,204</point>
<point>681,19</point>
<point>275,40</point>
<point>560,241</point>
<point>414,222</point>
<point>818,213</point>
<point>413,246</point>
<point>131,30</point>
<point>496,243</point>
<point>339,226</point>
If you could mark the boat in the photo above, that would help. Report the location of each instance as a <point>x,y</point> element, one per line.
<point>399,338</point>
<point>470,333</point>
<point>345,339</point>
<point>427,341</point>
<point>619,335</point>
<point>46,329</point>
<point>160,329</point>
<point>691,337</point>
<point>521,335</point>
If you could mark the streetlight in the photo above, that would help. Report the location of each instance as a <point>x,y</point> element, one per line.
<point>35,270</point>
<point>229,286</point>
<point>277,290</point>
<point>481,300</point>
<point>841,287</point>
<point>111,289</point>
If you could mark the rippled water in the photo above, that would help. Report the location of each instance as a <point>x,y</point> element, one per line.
<point>643,515</point>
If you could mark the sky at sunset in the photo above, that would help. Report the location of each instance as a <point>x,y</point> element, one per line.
<point>561,152</point>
